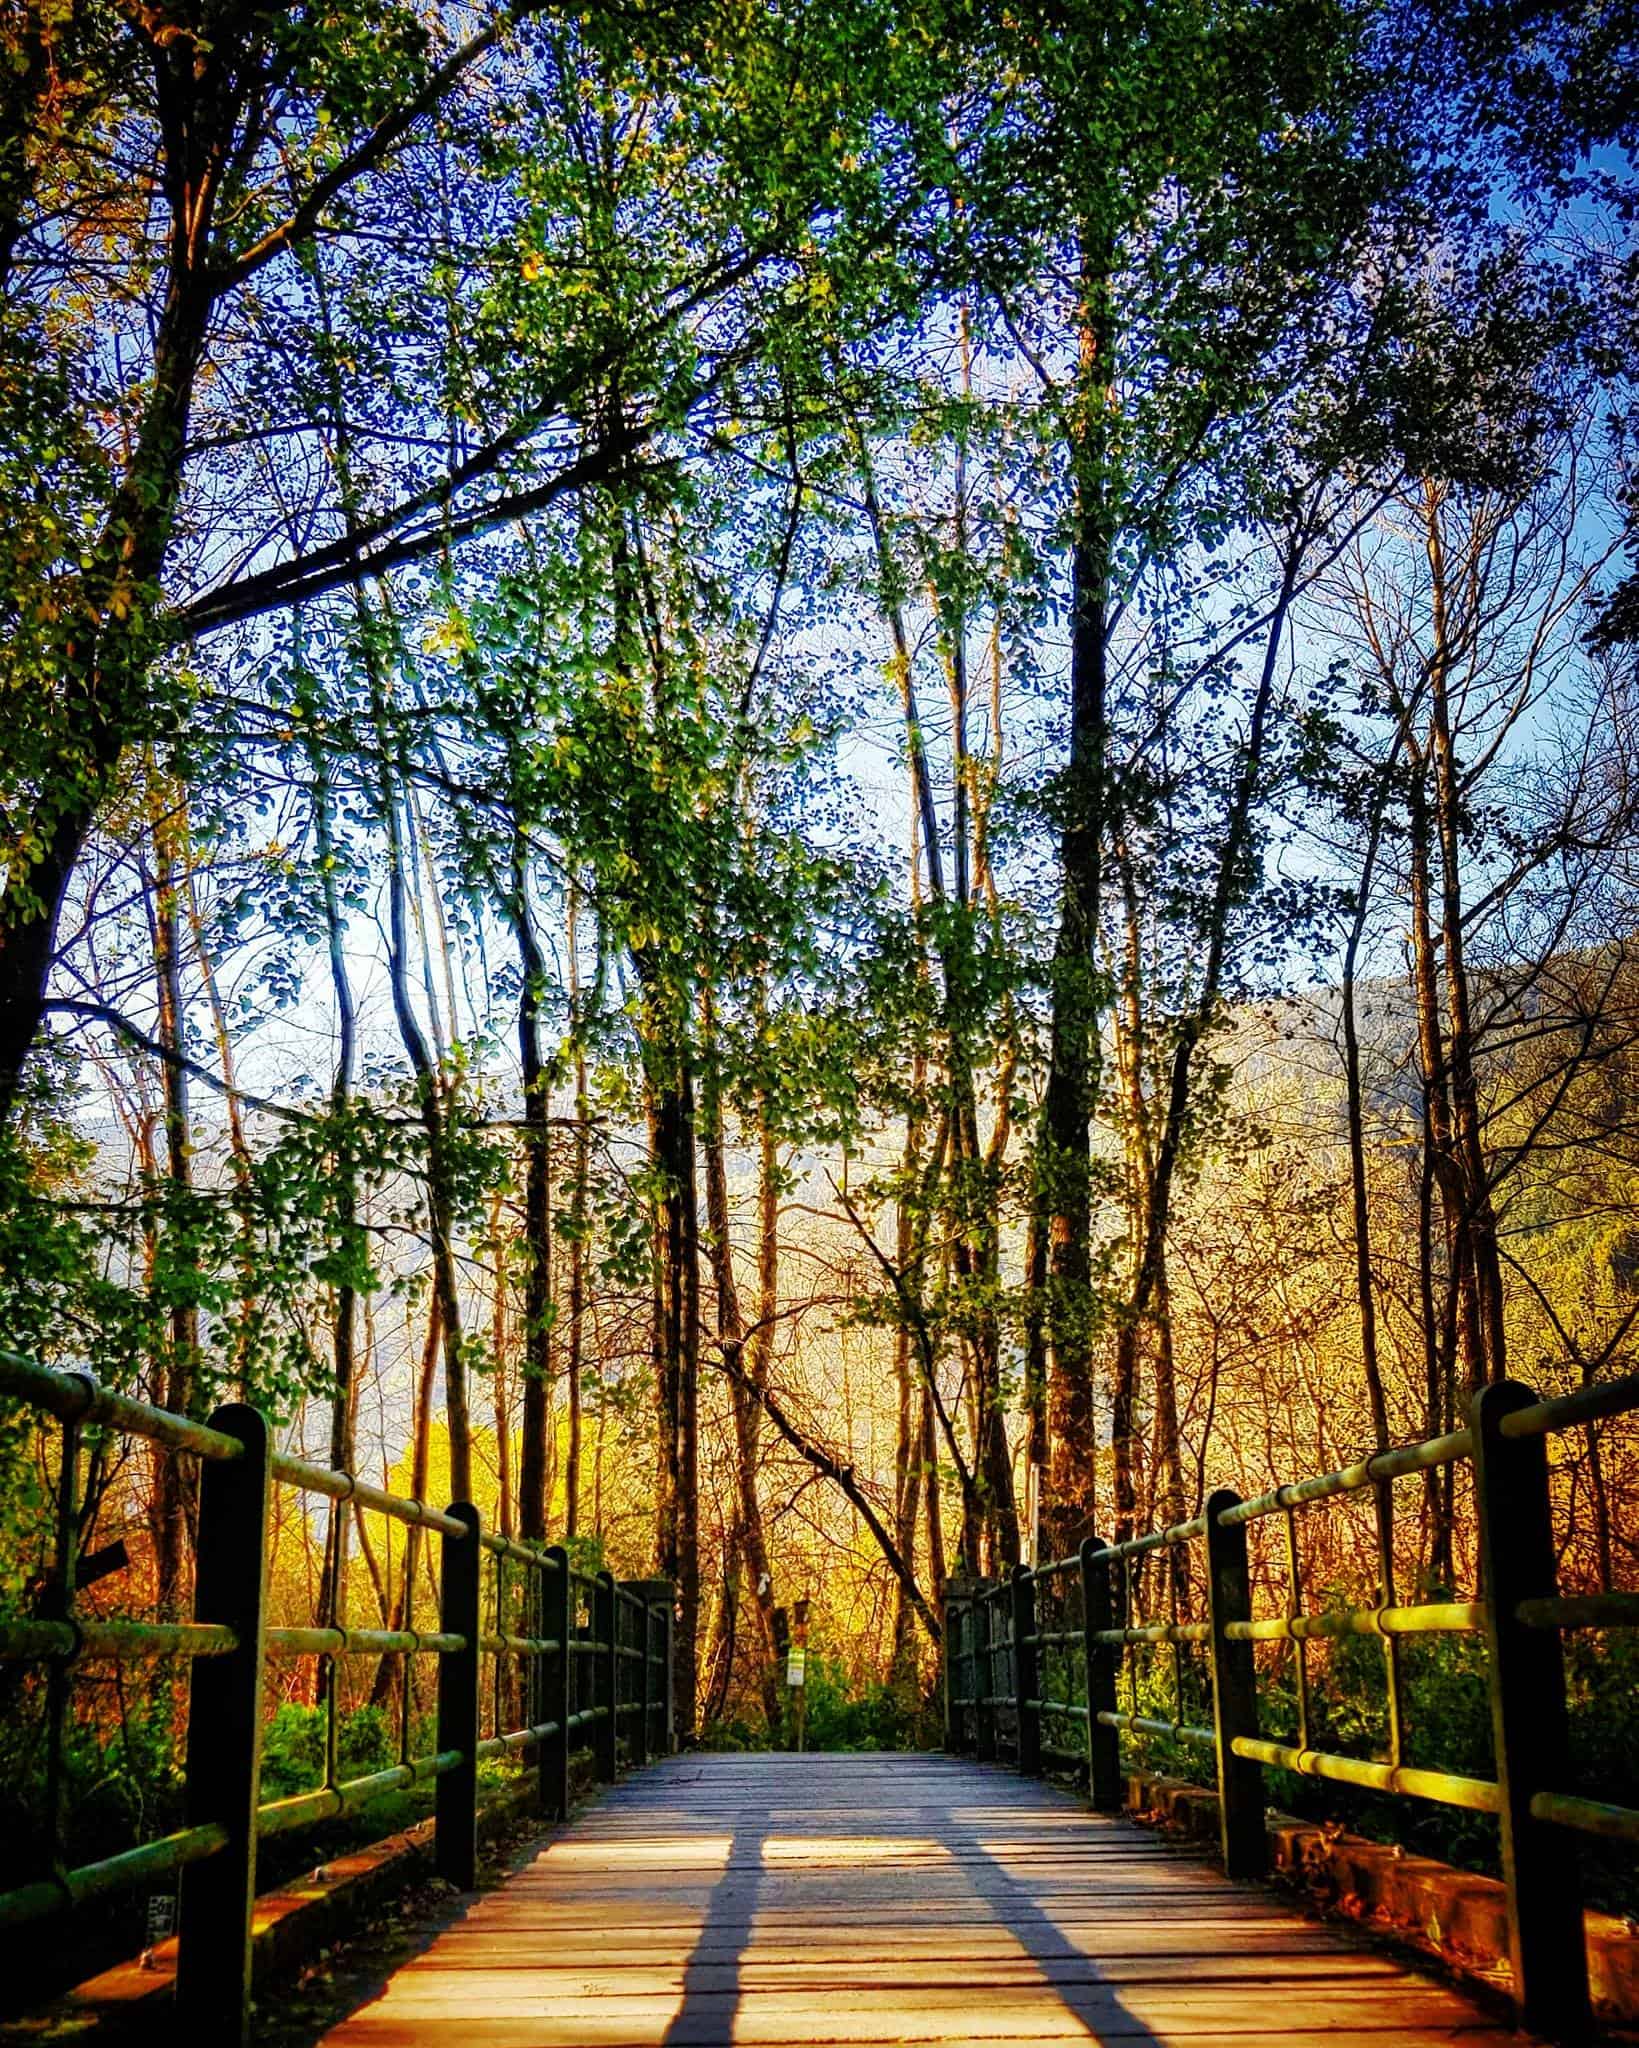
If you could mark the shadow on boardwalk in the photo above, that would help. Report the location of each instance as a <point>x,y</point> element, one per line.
<point>785,1902</point>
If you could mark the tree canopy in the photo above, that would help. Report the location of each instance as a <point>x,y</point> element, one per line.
<point>821,792</point>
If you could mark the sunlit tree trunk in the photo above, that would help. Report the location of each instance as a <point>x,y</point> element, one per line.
<point>1227,884</point>
<point>376,640</point>
<point>990,1516</point>
<point>933,1503</point>
<point>1438,1173</point>
<point>746,1361</point>
<point>1486,1341</point>
<point>1359,1190</point>
<point>908,1431</point>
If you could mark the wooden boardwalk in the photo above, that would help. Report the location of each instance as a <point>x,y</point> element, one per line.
<point>868,1899</point>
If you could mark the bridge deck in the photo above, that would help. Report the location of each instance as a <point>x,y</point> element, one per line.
<point>867,1899</point>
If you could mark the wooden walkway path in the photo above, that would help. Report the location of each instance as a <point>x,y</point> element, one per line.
<point>867,1899</point>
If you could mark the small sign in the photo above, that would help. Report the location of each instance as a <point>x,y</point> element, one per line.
<point>796,1667</point>
<point>161,1924</point>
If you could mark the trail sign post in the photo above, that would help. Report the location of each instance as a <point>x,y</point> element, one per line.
<point>796,1672</point>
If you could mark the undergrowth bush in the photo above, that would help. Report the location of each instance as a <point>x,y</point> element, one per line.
<point>1446,1726</point>
<point>875,1716</point>
<point>293,1748</point>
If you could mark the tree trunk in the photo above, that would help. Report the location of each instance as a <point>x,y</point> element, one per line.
<point>580,1225</point>
<point>1436,1082</point>
<point>1168,1460</point>
<point>908,1447</point>
<point>182,1392</point>
<point>1140,1164</point>
<point>991,1514</point>
<point>105,630</point>
<point>343,1168</point>
<point>1365,1286</point>
<point>677,1245</point>
<point>239,1155</point>
<point>536,1448</point>
<point>1063,1163</point>
<point>1487,1342</point>
<point>394,1667</point>
<point>500,1346</point>
<point>933,1502</point>
<point>428,1089</point>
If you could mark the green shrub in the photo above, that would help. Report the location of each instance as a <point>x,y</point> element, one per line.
<point>1446,1725</point>
<point>877,1717</point>
<point>293,1748</point>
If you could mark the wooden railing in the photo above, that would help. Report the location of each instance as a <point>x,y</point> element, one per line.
<point>596,1659</point>
<point>1034,1667</point>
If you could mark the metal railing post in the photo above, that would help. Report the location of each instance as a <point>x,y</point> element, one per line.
<point>1103,1664</point>
<point>558,1626</point>
<point>968,1676</point>
<point>640,1720</point>
<point>668,1727</point>
<point>950,1658</point>
<point>657,1686</point>
<point>224,1752</point>
<point>1234,1694</point>
<point>655,1596</point>
<point>1026,1670</point>
<point>1529,1722</point>
<point>455,1809</point>
<point>984,1676</point>
<point>606,1689</point>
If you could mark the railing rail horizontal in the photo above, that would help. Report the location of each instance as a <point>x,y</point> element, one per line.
<point>344,1486</point>
<point>125,1872</point>
<point>1398,1464</point>
<point>587,1683</point>
<point>125,1640</point>
<point>1573,1411</point>
<point>75,1397</point>
<point>1005,1652</point>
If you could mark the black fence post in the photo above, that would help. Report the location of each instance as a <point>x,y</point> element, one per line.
<point>984,1675</point>
<point>1103,1664</point>
<point>555,1707</point>
<point>224,1751</point>
<point>606,1730</point>
<point>538,1711</point>
<point>965,1675</point>
<point>950,1662</point>
<point>657,1677</point>
<point>655,1595</point>
<point>1026,1670</point>
<point>668,1723</point>
<point>1529,1724</point>
<point>640,1720</point>
<point>455,1808</point>
<point>1234,1694</point>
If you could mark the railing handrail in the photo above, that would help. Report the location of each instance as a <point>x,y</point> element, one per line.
<point>228,1643</point>
<point>76,1397</point>
<point>990,1673</point>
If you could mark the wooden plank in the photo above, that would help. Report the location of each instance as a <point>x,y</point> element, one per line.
<point>838,1902</point>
